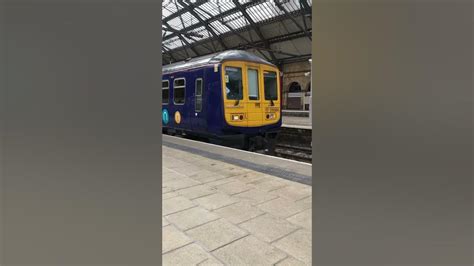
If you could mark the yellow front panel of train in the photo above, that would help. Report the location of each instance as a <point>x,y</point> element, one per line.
<point>251,94</point>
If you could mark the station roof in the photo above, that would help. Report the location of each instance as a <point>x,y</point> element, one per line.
<point>276,30</point>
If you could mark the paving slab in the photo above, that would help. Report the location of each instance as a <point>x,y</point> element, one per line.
<point>297,244</point>
<point>231,170</point>
<point>196,191</point>
<point>180,183</point>
<point>166,189</point>
<point>215,201</point>
<point>173,238</point>
<point>206,176</point>
<point>249,251</point>
<point>282,207</point>
<point>239,212</point>
<point>268,184</point>
<point>302,219</point>
<point>216,234</point>
<point>211,262</point>
<point>164,222</point>
<point>254,196</point>
<point>233,187</point>
<point>307,200</point>
<point>178,164</point>
<point>268,228</point>
<point>293,192</point>
<point>176,204</point>
<point>251,176</point>
<point>169,195</point>
<point>190,218</point>
<point>219,182</point>
<point>290,261</point>
<point>191,254</point>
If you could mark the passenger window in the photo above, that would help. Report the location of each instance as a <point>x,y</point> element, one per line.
<point>179,91</point>
<point>270,81</point>
<point>198,92</point>
<point>253,84</point>
<point>165,91</point>
<point>233,82</point>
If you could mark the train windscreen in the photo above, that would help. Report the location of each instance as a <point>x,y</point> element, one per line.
<point>253,84</point>
<point>271,88</point>
<point>234,88</point>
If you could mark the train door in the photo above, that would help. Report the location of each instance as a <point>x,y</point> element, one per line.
<point>253,96</point>
<point>234,95</point>
<point>179,100</point>
<point>199,117</point>
<point>271,95</point>
<point>165,97</point>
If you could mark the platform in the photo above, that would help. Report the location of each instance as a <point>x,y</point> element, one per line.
<point>296,113</point>
<point>296,122</point>
<point>223,206</point>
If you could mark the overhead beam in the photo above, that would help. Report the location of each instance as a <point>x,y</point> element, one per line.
<point>254,26</point>
<point>167,52</point>
<point>283,38</point>
<point>269,49</point>
<point>213,18</point>
<point>296,59</point>
<point>220,16</point>
<point>280,6</point>
<point>236,33</point>
<point>305,6</point>
<point>278,39</point>
<point>179,12</point>
<point>187,34</point>
<point>190,7</point>
<point>184,42</point>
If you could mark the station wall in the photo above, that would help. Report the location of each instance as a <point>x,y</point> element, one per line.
<point>294,76</point>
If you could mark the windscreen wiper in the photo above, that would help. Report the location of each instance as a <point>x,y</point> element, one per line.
<point>272,103</point>
<point>237,102</point>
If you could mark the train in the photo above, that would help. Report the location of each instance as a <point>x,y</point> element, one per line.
<point>230,98</point>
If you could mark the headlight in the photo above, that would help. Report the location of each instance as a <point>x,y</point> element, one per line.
<point>271,116</point>
<point>237,117</point>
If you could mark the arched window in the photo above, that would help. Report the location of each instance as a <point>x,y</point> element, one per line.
<point>309,87</point>
<point>294,87</point>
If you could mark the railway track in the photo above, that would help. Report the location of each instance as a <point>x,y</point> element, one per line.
<point>294,144</point>
<point>293,152</point>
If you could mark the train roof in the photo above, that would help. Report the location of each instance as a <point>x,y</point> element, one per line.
<point>215,58</point>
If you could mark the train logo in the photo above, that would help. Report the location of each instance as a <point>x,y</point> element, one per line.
<point>165,116</point>
<point>177,117</point>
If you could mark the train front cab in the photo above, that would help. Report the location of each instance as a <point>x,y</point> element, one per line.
<point>251,96</point>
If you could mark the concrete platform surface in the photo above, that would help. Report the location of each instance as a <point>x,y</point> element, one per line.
<point>276,166</point>
<point>219,213</point>
<point>296,122</point>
